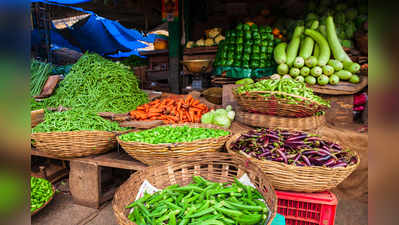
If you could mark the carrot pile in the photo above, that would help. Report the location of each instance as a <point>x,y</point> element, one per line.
<point>171,110</point>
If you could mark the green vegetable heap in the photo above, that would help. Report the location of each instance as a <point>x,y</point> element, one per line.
<point>201,202</point>
<point>286,85</point>
<point>169,134</point>
<point>99,85</point>
<point>219,117</point>
<point>75,120</point>
<point>247,47</point>
<point>41,192</point>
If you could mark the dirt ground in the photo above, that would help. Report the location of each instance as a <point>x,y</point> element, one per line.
<point>62,211</point>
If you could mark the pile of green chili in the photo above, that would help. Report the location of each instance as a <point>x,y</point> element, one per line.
<point>99,85</point>
<point>199,203</point>
<point>75,120</point>
<point>286,85</point>
<point>41,192</point>
<point>169,134</point>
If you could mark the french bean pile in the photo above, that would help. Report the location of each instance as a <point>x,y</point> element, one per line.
<point>201,202</point>
<point>41,192</point>
<point>39,74</point>
<point>168,134</point>
<point>286,85</point>
<point>99,85</point>
<point>294,148</point>
<point>75,120</point>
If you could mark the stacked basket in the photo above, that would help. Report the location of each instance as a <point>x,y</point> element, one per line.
<point>152,154</point>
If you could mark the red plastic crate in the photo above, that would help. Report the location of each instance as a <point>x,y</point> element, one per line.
<point>307,208</point>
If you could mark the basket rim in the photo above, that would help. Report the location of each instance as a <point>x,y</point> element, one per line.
<point>78,131</point>
<point>293,167</point>
<point>48,201</point>
<point>280,93</point>
<point>178,143</point>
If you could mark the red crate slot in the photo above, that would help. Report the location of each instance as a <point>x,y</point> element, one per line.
<point>307,208</point>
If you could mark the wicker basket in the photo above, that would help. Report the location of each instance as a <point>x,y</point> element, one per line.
<point>269,121</point>
<point>299,179</point>
<point>217,167</point>
<point>74,143</point>
<point>214,95</point>
<point>46,203</point>
<point>152,154</point>
<point>256,103</point>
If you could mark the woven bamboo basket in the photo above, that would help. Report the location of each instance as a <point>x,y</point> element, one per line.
<point>299,179</point>
<point>152,154</point>
<point>74,143</point>
<point>217,167</point>
<point>269,121</point>
<point>45,204</point>
<point>255,102</point>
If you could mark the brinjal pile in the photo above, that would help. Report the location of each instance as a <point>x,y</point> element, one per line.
<point>293,148</point>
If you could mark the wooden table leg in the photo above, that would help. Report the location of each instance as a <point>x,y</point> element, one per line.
<point>85,183</point>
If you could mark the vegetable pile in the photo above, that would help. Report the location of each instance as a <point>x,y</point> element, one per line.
<point>213,37</point>
<point>40,71</point>
<point>201,202</point>
<point>41,192</point>
<point>171,110</point>
<point>307,57</point>
<point>75,120</point>
<point>219,117</point>
<point>286,85</point>
<point>168,134</point>
<point>99,85</point>
<point>247,46</point>
<point>293,148</point>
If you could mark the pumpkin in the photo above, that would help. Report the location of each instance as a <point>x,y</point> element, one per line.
<point>160,44</point>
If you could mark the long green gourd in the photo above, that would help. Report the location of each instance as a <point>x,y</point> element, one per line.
<point>293,46</point>
<point>332,38</point>
<point>325,52</point>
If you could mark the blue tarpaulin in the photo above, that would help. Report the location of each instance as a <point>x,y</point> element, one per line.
<point>71,2</point>
<point>98,34</point>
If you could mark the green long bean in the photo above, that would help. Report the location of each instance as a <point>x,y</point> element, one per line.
<point>75,120</point>
<point>99,85</point>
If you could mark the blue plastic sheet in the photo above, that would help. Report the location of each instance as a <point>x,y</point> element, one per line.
<point>100,35</point>
<point>71,2</point>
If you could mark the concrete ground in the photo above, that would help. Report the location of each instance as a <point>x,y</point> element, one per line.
<point>62,211</point>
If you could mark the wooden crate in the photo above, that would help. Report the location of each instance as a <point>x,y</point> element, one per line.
<point>341,111</point>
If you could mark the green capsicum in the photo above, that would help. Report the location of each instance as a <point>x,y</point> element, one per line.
<point>268,29</point>
<point>255,56</point>
<point>238,56</point>
<point>229,62</point>
<point>230,54</point>
<point>246,27</point>
<point>239,48</point>
<point>263,48</point>
<point>239,40</point>
<point>257,42</point>
<point>256,35</point>
<point>262,29</point>
<point>255,49</point>
<point>246,56</point>
<point>254,64</point>
<point>237,63</point>
<point>233,34</point>
<point>245,64</point>
<point>240,33</point>
<point>247,49</point>
<point>262,64</point>
<point>239,26</point>
<point>254,27</point>
<point>269,50</point>
<point>247,35</point>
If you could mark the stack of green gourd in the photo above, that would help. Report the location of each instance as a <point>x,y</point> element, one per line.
<point>247,47</point>
<point>307,57</point>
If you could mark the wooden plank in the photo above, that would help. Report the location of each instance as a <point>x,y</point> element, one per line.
<point>85,183</point>
<point>111,159</point>
<point>154,52</point>
<point>200,50</point>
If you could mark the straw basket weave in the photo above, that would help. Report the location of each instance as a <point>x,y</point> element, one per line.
<point>217,167</point>
<point>46,203</point>
<point>269,121</point>
<point>256,102</point>
<point>74,143</point>
<point>299,179</point>
<point>152,154</point>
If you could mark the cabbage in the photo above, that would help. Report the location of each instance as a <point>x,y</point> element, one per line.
<point>228,108</point>
<point>207,118</point>
<point>222,121</point>
<point>231,115</point>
